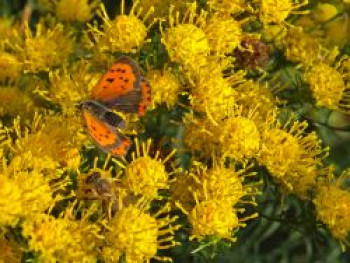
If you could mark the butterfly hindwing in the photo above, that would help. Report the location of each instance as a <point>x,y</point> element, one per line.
<point>101,124</point>
<point>122,78</point>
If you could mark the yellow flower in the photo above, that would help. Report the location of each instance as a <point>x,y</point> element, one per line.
<point>37,194</point>
<point>46,48</point>
<point>76,10</point>
<point>332,204</point>
<point>138,234</point>
<point>277,11</point>
<point>240,138</point>
<point>125,33</point>
<point>215,191</point>
<point>255,95</point>
<point>216,183</point>
<point>9,66</point>
<point>200,135</point>
<point>326,80</point>
<point>10,201</point>
<point>291,155</point>
<point>39,191</point>
<point>146,175</point>
<point>15,102</point>
<point>325,12</point>
<point>236,136</point>
<point>327,85</point>
<point>186,41</point>
<point>211,93</point>
<point>228,7</point>
<point>165,87</point>
<point>223,183</point>
<point>69,87</point>
<point>300,46</point>
<point>224,34</point>
<point>44,144</point>
<point>161,7</point>
<point>61,239</point>
<point>213,218</point>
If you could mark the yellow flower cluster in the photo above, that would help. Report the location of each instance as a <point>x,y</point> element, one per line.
<point>236,87</point>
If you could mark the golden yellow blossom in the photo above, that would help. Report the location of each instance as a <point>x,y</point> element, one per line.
<point>291,155</point>
<point>277,11</point>
<point>161,7</point>
<point>222,183</point>
<point>185,40</point>
<point>332,204</point>
<point>125,33</point>
<point>38,191</point>
<point>213,218</point>
<point>76,10</point>
<point>224,34</point>
<point>69,87</point>
<point>215,192</point>
<point>326,79</point>
<point>301,47</point>
<point>165,87</point>
<point>44,144</point>
<point>37,194</point>
<point>236,136</point>
<point>254,95</point>
<point>61,239</point>
<point>48,47</point>
<point>240,138</point>
<point>10,201</point>
<point>139,234</point>
<point>228,7</point>
<point>15,102</point>
<point>199,135</point>
<point>211,93</point>
<point>216,183</point>
<point>9,66</point>
<point>146,175</point>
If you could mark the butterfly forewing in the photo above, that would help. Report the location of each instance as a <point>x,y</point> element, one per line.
<point>122,78</point>
<point>102,129</point>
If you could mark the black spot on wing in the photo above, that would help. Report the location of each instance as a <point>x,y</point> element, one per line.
<point>110,80</point>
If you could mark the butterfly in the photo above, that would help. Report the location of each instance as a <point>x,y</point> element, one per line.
<point>121,88</point>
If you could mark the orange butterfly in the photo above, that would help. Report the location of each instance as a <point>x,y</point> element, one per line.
<point>122,88</point>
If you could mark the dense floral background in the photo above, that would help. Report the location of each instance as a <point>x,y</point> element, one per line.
<point>242,154</point>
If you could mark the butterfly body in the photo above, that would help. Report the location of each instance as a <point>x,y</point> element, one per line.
<point>121,88</point>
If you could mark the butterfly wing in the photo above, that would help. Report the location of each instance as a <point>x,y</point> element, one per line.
<point>104,134</point>
<point>136,101</point>
<point>121,79</point>
<point>123,88</point>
